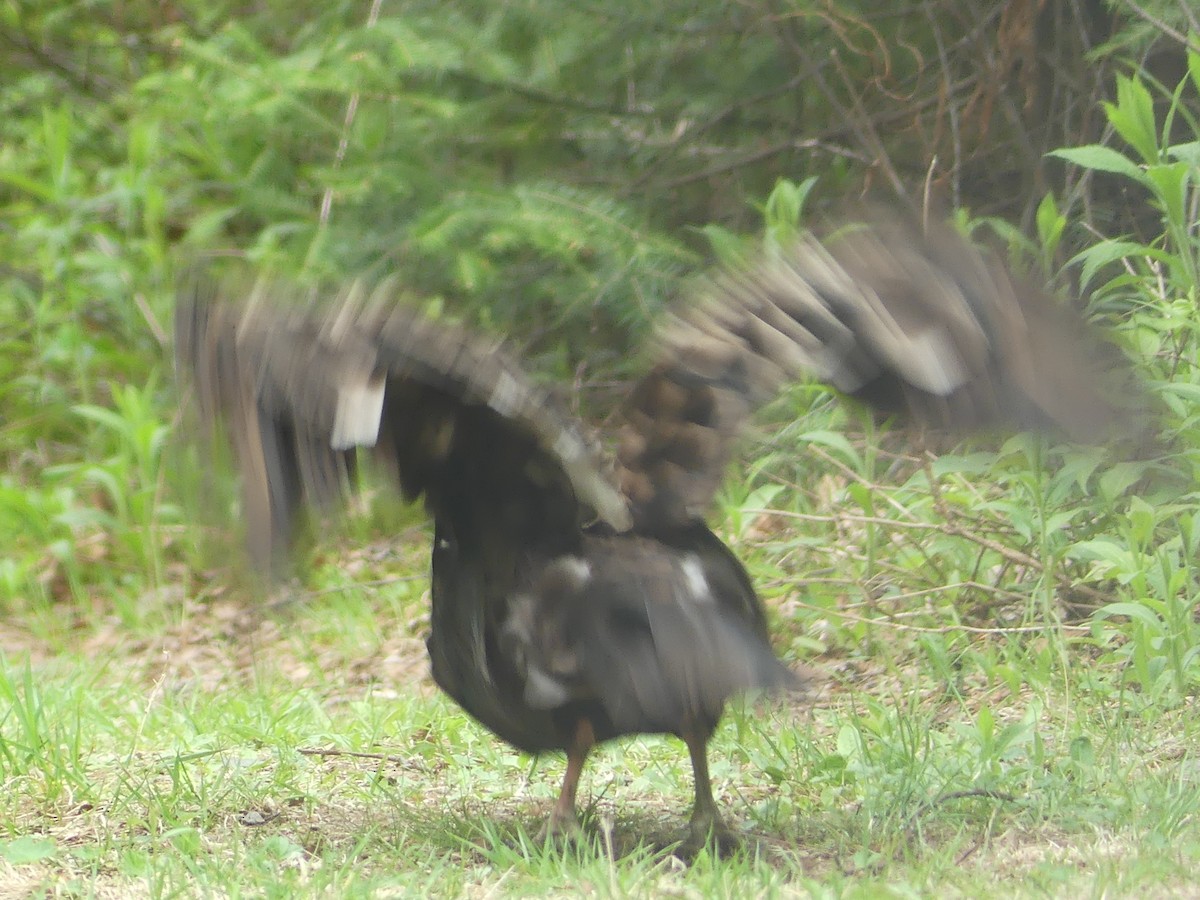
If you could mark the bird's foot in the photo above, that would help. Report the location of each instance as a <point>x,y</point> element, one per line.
<point>561,829</point>
<point>708,832</point>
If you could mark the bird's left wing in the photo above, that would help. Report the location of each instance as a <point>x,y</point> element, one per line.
<point>300,386</point>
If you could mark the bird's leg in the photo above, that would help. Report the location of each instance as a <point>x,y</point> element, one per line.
<point>563,823</point>
<point>706,828</point>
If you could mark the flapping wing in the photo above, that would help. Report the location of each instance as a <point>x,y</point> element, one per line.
<point>301,386</point>
<point>924,325</point>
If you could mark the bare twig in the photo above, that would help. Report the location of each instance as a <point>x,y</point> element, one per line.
<point>952,527</point>
<point>156,329</point>
<point>998,630</point>
<point>347,123</point>
<point>1194,23</point>
<point>855,476</point>
<point>90,83</point>
<point>355,754</point>
<point>927,192</point>
<point>291,598</point>
<point>1163,27</point>
<point>865,126</point>
<point>761,154</point>
<point>952,111</point>
<point>942,799</point>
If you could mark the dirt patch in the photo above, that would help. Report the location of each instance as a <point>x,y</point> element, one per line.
<point>219,635</point>
<point>35,880</point>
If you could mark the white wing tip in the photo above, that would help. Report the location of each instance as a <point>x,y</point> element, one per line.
<point>357,417</point>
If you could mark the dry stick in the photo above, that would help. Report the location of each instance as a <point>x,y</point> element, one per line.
<point>875,490</point>
<point>356,754</point>
<point>950,527</point>
<point>1191,15</point>
<point>87,82</point>
<point>952,110</point>
<point>855,476</point>
<point>156,330</point>
<point>292,598</point>
<point>765,153</point>
<point>549,98</point>
<point>979,842</point>
<point>1161,25</point>
<point>927,191</point>
<point>851,517</point>
<point>941,799</point>
<point>858,121</point>
<point>988,544</point>
<point>962,795</point>
<point>947,528</point>
<point>940,629</point>
<point>671,149</point>
<point>895,524</point>
<point>822,140</point>
<point>867,132</point>
<point>966,584</point>
<point>347,122</point>
<point>1017,556</point>
<point>969,584</point>
<point>374,582</point>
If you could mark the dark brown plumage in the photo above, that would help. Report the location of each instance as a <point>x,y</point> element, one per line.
<point>571,607</point>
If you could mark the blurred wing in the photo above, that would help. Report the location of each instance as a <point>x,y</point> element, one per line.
<point>922,325</point>
<point>300,387</point>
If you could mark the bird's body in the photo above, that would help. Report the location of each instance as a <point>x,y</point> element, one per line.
<point>572,603</point>
<point>537,613</point>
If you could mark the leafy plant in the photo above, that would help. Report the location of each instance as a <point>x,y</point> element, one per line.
<point>1169,173</point>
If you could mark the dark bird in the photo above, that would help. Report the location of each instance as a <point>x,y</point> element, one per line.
<point>574,601</point>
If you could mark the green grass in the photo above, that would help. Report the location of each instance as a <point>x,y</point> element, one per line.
<point>309,755</point>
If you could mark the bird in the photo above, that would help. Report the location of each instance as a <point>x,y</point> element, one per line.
<point>577,593</point>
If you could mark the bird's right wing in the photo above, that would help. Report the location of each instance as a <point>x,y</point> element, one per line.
<point>924,325</point>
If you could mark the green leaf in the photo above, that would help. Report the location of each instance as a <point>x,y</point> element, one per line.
<point>1186,153</point>
<point>1082,751</point>
<point>28,849</point>
<point>1101,159</point>
<point>1141,521</point>
<point>29,185</point>
<point>1138,612</point>
<point>1133,118</point>
<point>837,442</point>
<point>1050,225</point>
<point>1106,253</point>
<point>726,245</point>
<point>849,743</point>
<point>1120,477</point>
<point>762,497</point>
<point>784,208</point>
<point>1169,183</point>
<point>1102,549</point>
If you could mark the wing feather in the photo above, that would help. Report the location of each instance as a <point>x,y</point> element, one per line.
<point>924,325</point>
<point>304,384</point>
